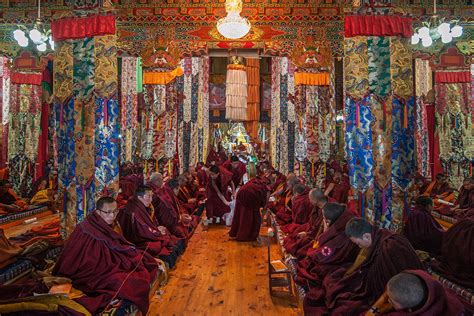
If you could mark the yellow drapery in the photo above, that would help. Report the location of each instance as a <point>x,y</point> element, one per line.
<point>161,77</point>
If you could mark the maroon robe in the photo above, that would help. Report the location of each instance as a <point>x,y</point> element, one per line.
<point>340,192</point>
<point>423,231</point>
<point>334,250</point>
<point>247,220</point>
<point>99,261</point>
<point>141,229</point>
<point>166,212</point>
<point>440,189</point>
<point>354,293</point>
<point>302,208</point>
<point>214,205</point>
<point>457,254</point>
<point>237,173</point>
<point>439,300</point>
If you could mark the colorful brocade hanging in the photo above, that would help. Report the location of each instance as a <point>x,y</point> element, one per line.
<point>129,109</point>
<point>236,90</point>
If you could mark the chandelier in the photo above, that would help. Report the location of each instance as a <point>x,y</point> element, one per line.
<point>39,35</point>
<point>233,26</point>
<point>429,32</point>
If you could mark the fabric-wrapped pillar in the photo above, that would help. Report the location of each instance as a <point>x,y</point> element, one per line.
<point>87,113</point>
<point>236,90</point>
<point>379,115</point>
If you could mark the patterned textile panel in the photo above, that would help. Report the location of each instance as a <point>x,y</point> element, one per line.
<point>129,108</point>
<point>464,293</point>
<point>359,142</point>
<point>356,76</point>
<point>422,140</point>
<point>15,269</point>
<point>275,111</point>
<point>401,67</point>
<point>383,205</point>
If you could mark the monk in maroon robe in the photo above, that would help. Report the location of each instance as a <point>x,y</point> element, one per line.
<point>283,199</point>
<point>457,254</point>
<point>352,291</point>
<point>301,208</point>
<point>421,229</point>
<point>332,249</point>
<point>415,292</point>
<point>217,192</point>
<point>247,220</point>
<point>301,239</point>
<point>166,212</point>
<point>237,168</point>
<point>103,264</point>
<point>339,188</point>
<point>465,202</point>
<point>440,189</point>
<point>141,228</point>
<point>185,210</point>
<point>186,194</point>
<point>201,175</point>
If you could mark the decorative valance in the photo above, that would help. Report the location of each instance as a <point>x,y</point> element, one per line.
<point>452,77</point>
<point>377,25</point>
<point>162,77</point>
<point>74,28</point>
<point>26,78</point>
<point>312,79</point>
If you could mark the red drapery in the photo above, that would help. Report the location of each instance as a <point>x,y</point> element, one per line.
<point>22,78</point>
<point>433,139</point>
<point>73,28</point>
<point>377,25</point>
<point>452,77</point>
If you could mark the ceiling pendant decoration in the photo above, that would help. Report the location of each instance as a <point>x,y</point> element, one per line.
<point>233,26</point>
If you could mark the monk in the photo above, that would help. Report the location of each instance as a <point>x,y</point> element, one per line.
<point>464,207</point>
<point>187,212</point>
<point>187,193</point>
<point>439,189</point>
<point>301,239</point>
<point>238,170</point>
<point>165,212</point>
<point>457,254</point>
<point>9,201</point>
<point>103,264</point>
<point>339,188</point>
<point>352,291</point>
<point>415,292</point>
<point>301,208</point>
<point>282,205</point>
<point>421,229</point>
<point>332,249</point>
<point>201,175</point>
<point>140,227</point>
<point>247,220</point>
<point>217,192</point>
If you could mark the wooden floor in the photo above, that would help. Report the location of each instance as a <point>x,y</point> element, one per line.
<point>21,228</point>
<point>217,276</point>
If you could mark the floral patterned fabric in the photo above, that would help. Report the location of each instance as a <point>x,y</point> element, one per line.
<point>129,108</point>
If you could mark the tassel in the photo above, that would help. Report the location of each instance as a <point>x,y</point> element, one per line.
<point>146,168</point>
<point>312,169</point>
<point>84,203</point>
<point>169,167</point>
<point>147,123</point>
<point>157,166</point>
<point>324,171</point>
<point>83,110</point>
<point>324,126</point>
<point>301,169</point>
<point>106,113</point>
<point>357,119</point>
<point>384,202</point>
<point>384,121</point>
<point>405,116</point>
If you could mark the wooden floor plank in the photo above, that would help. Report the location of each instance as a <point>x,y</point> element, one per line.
<point>217,276</point>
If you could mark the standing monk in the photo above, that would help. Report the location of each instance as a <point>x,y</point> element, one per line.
<point>247,220</point>
<point>339,188</point>
<point>217,192</point>
<point>238,169</point>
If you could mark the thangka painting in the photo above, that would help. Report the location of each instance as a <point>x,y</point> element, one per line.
<point>216,96</point>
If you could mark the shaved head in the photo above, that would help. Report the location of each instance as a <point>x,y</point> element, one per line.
<point>332,211</point>
<point>406,290</point>
<point>157,179</point>
<point>291,181</point>
<point>299,188</point>
<point>317,197</point>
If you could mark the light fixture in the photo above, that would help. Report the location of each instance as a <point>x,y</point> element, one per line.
<point>39,35</point>
<point>233,26</point>
<point>429,32</point>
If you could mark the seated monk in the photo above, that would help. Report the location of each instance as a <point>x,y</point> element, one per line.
<point>186,212</point>
<point>247,220</point>
<point>167,211</point>
<point>41,194</point>
<point>217,192</point>
<point>302,238</point>
<point>421,229</point>
<point>331,250</point>
<point>9,201</point>
<point>352,291</point>
<point>301,208</point>
<point>440,191</point>
<point>282,205</point>
<point>339,188</point>
<point>140,227</point>
<point>464,207</point>
<point>103,264</point>
<point>415,292</point>
<point>238,170</point>
<point>457,254</point>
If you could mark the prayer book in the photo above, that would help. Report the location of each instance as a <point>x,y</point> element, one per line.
<point>63,289</point>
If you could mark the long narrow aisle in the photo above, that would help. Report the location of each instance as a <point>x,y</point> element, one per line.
<point>217,276</point>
